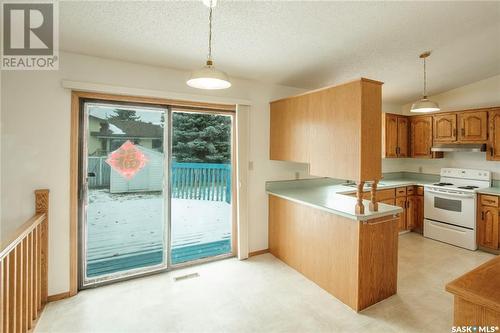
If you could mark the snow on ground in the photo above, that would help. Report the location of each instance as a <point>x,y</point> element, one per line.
<point>121,224</point>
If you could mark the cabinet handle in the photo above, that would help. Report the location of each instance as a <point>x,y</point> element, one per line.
<point>491,150</point>
<point>482,216</point>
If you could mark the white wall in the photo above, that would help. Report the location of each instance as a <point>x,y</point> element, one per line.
<point>36,133</point>
<point>484,93</point>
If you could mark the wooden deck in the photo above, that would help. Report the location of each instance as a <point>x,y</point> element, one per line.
<point>126,231</point>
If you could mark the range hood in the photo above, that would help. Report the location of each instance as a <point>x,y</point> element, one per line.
<point>460,147</point>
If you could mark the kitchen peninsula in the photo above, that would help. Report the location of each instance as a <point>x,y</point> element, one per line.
<point>347,245</point>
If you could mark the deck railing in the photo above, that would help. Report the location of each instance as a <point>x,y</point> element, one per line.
<point>201,181</point>
<point>23,270</point>
<point>197,181</point>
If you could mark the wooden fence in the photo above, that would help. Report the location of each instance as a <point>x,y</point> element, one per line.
<point>101,170</point>
<point>23,271</point>
<point>201,181</point>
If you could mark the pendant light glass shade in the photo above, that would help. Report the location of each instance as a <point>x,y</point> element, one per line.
<point>424,105</point>
<point>209,78</point>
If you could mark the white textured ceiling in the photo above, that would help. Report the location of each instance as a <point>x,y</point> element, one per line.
<point>302,44</point>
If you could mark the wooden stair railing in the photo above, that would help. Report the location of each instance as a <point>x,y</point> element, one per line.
<point>23,271</point>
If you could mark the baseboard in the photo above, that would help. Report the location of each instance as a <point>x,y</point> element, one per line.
<point>259,252</point>
<point>58,297</point>
<point>485,249</point>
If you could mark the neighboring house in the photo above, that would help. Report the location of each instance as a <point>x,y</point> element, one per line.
<point>107,135</point>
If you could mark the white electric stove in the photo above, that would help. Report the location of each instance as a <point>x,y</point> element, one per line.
<point>450,206</point>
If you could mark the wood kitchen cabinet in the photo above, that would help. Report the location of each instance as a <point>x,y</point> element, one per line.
<point>473,126</point>
<point>419,210</point>
<point>410,198</point>
<point>411,212</point>
<point>421,137</point>
<point>493,153</point>
<point>395,135</point>
<point>445,128</point>
<point>487,222</point>
<point>401,202</point>
<point>289,137</point>
<point>461,127</point>
<point>332,130</point>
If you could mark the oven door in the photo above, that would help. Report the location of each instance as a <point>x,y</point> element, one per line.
<point>453,208</point>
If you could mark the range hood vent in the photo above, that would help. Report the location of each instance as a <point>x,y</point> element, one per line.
<point>467,148</point>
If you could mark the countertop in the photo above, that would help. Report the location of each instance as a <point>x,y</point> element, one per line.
<point>480,286</point>
<point>329,195</point>
<point>490,190</point>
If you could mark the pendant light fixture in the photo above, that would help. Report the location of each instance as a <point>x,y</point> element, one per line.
<point>208,77</point>
<point>424,105</point>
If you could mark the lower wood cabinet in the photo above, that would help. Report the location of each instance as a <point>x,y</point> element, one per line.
<point>419,213</point>
<point>488,231</point>
<point>401,202</point>
<point>410,198</point>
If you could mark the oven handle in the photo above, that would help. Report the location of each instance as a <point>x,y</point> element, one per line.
<point>451,194</point>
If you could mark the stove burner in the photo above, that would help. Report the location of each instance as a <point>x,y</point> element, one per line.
<point>443,184</point>
<point>469,187</point>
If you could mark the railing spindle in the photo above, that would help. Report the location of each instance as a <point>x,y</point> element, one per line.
<point>24,292</point>
<point>35,274</point>
<point>19,288</point>
<point>12,290</point>
<point>29,312</point>
<point>5,295</point>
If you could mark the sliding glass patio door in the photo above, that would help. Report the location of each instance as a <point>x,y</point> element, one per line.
<point>156,189</point>
<point>124,201</point>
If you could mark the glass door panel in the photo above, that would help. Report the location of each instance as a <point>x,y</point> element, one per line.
<point>201,211</point>
<point>123,198</point>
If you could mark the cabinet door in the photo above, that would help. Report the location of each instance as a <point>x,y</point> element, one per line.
<point>494,135</point>
<point>473,126</point>
<point>390,136</point>
<point>421,137</point>
<point>419,213</point>
<point>401,202</point>
<point>410,212</point>
<point>402,137</point>
<point>487,227</point>
<point>445,128</point>
<point>289,130</point>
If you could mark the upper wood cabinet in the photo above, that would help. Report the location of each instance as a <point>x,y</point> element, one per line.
<point>461,127</point>
<point>493,153</point>
<point>445,128</point>
<point>332,130</point>
<point>403,126</point>
<point>289,137</point>
<point>473,126</point>
<point>390,135</point>
<point>421,136</point>
<point>395,135</point>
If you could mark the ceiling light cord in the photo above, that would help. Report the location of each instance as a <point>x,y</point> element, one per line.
<point>425,81</point>
<point>209,60</point>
